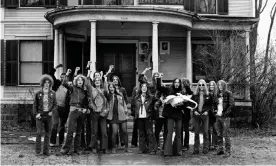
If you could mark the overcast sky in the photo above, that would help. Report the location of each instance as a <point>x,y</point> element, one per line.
<point>264,26</point>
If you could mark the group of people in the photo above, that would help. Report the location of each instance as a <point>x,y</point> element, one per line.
<point>95,109</point>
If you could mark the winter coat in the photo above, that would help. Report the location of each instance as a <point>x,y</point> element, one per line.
<point>122,107</point>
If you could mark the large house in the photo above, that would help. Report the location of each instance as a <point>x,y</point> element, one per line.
<point>130,34</point>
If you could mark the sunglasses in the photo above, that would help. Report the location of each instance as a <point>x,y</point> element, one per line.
<point>201,84</point>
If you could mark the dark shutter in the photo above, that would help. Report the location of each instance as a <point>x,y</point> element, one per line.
<point>223,7</point>
<point>48,56</point>
<point>189,5</point>
<point>63,2</point>
<point>97,2</point>
<point>88,2</point>
<point>50,3</point>
<point>2,62</point>
<point>11,62</point>
<point>11,3</point>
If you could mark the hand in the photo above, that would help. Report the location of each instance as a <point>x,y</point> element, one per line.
<point>111,67</point>
<point>148,68</point>
<point>101,73</point>
<point>196,113</point>
<point>50,113</point>
<point>59,65</point>
<point>205,113</point>
<point>38,116</point>
<point>161,75</point>
<point>77,69</point>
<point>88,64</point>
<point>68,71</point>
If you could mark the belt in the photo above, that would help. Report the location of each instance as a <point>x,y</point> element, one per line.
<point>73,108</point>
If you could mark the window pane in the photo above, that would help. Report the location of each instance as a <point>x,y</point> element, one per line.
<point>47,67</point>
<point>30,72</point>
<point>11,50</point>
<point>206,6</point>
<point>31,3</point>
<point>31,51</point>
<point>11,73</point>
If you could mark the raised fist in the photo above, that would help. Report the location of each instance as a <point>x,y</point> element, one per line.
<point>148,68</point>
<point>77,68</point>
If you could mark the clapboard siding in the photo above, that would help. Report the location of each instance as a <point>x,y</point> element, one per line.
<point>25,14</point>
<point>174,64</point>
<point>242,8</point>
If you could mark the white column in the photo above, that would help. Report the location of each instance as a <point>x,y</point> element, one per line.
<point>93,46</point>
<point>247,63</point>
<point>60,55</point>
<point>189,65</point>
<point>64,54</point>
<point>155,46</point>
<point>136,2</point>
<point>56,51</point>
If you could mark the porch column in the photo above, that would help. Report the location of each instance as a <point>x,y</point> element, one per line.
<point>64,54</point>
<point>247,63</point>
<point>93,46</point>
<point>155,46</point>
<point>189,65</point>
<point>60,55</point>
<point>56,51</point>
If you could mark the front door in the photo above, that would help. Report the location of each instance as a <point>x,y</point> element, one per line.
<point>123,57</point>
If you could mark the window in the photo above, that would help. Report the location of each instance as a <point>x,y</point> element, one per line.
<point>48,58</point>
<point>206,6</point>
<point>30,61</point>
<point>11,76</point>
<point>31,3</point>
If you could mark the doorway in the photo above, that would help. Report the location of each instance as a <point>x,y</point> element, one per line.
<point>123,57</point>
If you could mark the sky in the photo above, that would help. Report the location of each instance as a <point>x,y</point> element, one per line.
<point>264,26</point>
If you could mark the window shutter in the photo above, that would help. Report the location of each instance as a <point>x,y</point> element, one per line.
<point>223,7</point>
<point>2,62</point>
<point>11,62</point>
<point>189,5</point>
<point>98,2</point>
<point>50,3</point>
<point>88,2</point>
<point>63,2</point>
<point>48,56</point>
<point>11,3</point>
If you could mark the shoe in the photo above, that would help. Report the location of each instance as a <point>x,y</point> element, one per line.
<point>122,144</point>
<point>94,151</point>
<point>220,152</point>
<point>105,151</point>
<point>61,153</point>
<point>227,154</point>
<point>133,146</point>
<point>141,152</point>
<point>212,147</point>
<point>113,151</point>
<point>195,152</point>
<point>159,148</point>
<point>127,150</point>
<point>46,153</point>
<point>53,145</point>
<point>185,148</point>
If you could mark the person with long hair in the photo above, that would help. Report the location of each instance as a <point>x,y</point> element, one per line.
<point>186,116</point>
<point>144,114</point>
<point>117,115</point>
<point>44,104</point>
<point>213,138</point>
<point>99,110</point>
<point>174,118</point>
<point>225,103</point>
<point>201,115</point>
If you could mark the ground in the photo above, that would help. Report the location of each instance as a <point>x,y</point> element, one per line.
<point>248,147</point>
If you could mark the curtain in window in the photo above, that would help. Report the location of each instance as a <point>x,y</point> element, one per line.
<point>206,6</point>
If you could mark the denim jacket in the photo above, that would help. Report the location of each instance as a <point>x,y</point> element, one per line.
<point>38,103</point>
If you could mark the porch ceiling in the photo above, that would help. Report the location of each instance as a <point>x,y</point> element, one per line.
<point>60,16</point>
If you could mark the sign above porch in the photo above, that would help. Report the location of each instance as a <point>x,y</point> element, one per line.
<point>162,2</point>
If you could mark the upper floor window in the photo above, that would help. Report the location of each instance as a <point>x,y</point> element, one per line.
<point>31,3</point>
<point>205,6</point>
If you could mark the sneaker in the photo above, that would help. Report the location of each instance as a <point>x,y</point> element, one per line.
<point>220,152</point>
<point>195,152</point>
<point>185,148</point>
<point>133,146</point>
<point>53,145</point>
<point>127,150</point>
<point>152,153</point>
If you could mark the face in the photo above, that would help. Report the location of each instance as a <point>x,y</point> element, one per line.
<point>111,89</point>
<point>46,84</point>
<point>212,86</point>
<point>201,85</point>
<point>97,75</point>
<point>79,82</point>
<point>70,83</point>
<point>176,83</point>
<point>144,88</point>
<point>97,81</point>
<point>220,86</point>
<point>115,80</point>
<point>62,77</point>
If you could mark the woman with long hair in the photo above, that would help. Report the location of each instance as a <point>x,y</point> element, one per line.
<point>144,114</point>
<point>213,90</point>
<point>186,117</point>
<point>117,116</point>
<point>201,115</point>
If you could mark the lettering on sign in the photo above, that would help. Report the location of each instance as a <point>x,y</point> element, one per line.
<point>124,18</point>
<point>162,2</point>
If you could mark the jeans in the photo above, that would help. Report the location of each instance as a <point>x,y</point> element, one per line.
<point>123,133</point>
<point>86,131</point>
<point>59,116</point>
<point>145,128</point>
<point>160,122</point>
<point>75,124</point>
<point>134,139</point>
<point>96,120</point>
<point>222,128</point>
<point>185,127</point>
<point>174,148</point>
<point>204,119</point>
<point>45,124</point>
<point>213,136</point>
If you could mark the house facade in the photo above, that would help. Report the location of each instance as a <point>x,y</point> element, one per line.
<point>36,35</point>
